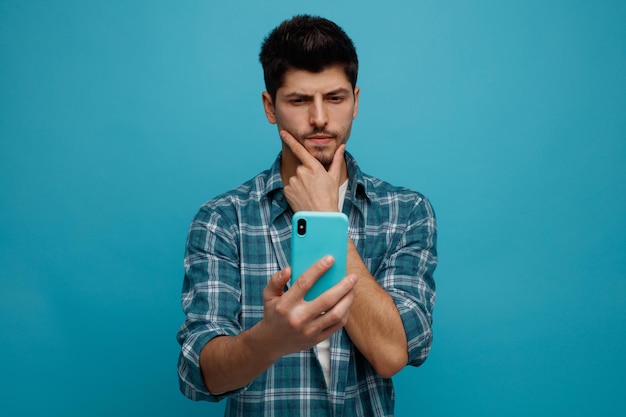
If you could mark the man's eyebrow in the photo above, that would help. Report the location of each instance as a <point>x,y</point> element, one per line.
<point>295,94</point>
<point>340,90</point>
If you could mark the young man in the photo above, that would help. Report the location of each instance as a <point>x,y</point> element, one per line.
<point>249,335</point>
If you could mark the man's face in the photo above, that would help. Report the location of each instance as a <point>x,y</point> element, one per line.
<point>316,108</point>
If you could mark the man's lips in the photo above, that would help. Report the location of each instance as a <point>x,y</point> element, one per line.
<point>320,139</point>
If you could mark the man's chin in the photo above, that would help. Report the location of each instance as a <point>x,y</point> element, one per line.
<point>325,157</point>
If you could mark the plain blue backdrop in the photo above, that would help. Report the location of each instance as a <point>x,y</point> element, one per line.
<point>119,118</point>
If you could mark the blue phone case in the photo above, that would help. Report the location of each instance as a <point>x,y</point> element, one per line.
<point>326,234</point>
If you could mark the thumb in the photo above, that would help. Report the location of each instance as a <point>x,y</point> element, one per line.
<point>277,282</point>
<point>338,164</point>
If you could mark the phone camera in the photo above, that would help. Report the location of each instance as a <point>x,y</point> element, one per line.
<point>301,227</point>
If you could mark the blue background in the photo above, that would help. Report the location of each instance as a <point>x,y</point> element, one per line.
<point>119,118</point>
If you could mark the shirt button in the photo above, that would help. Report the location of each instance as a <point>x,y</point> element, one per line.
<point>322,385</point>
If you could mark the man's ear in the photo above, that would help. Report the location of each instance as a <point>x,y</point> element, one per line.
<point>268,106</point>
<point>357,91</point>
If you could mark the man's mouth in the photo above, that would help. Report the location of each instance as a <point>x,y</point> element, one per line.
<point>320,139</point>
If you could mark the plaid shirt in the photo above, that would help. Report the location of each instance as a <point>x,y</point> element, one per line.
<point>239,239</point>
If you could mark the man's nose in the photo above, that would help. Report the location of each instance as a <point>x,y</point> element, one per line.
<point>318,113</point>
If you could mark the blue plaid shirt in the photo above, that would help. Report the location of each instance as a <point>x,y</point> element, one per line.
<point>239,239</point>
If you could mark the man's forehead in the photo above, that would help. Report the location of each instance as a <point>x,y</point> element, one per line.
<point>307,82</point>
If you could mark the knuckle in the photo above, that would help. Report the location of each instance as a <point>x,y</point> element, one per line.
<point>281,310</point>
<point>309,332</point>
<point>334,316</point>
<point>295,322</point>
<point>312,331</point>
<point>303,282</point>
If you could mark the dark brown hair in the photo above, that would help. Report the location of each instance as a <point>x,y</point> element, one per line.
<point>308,43</point>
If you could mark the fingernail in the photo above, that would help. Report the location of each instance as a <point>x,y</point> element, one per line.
<point>327,260</point>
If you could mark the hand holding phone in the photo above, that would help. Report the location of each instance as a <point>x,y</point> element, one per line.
<point>314,235</point>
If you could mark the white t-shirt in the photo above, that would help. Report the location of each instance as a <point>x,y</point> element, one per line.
<point>323,348</point>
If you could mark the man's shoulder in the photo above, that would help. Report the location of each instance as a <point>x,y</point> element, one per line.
<point>249,192</point>
<point>395,204</point>
<point>379,189</point>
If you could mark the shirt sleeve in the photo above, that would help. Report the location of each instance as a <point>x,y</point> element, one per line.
<point>407,275</point>
<point>210,296</point>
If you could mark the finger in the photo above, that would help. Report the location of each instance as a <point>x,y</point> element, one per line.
<point>305,281</point>
<point>298,149</point>
<point>330,298</point>
<point>337,316</point>
<point>277,282</point>
<point>336,167</point>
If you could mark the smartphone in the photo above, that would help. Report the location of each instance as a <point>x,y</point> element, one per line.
<point>315,234</point>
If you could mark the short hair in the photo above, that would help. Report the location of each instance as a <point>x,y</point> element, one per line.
<point>309,43</point>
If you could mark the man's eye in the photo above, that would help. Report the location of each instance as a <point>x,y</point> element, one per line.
<point>336,99</point>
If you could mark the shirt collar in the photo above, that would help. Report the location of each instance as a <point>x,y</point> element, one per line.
<point>274,184</point>
<point>357,185</point>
